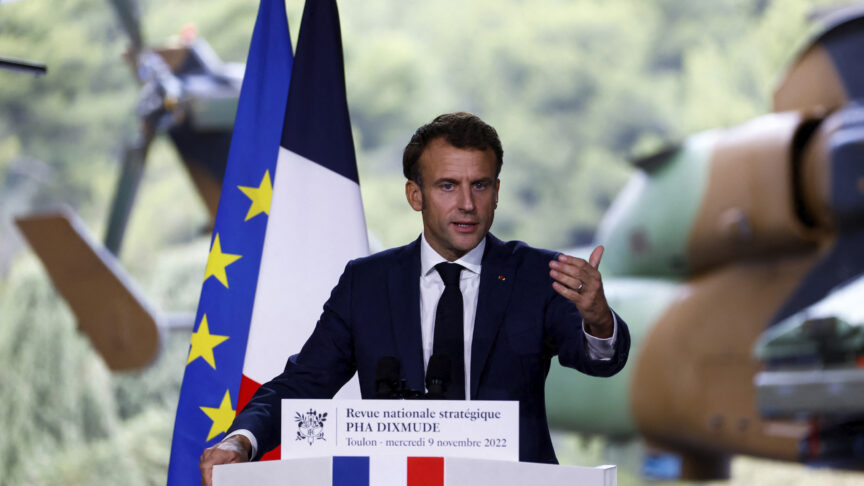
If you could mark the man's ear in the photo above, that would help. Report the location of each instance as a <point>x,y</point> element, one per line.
<point>414,195</point>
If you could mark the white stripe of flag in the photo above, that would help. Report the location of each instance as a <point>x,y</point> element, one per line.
<point>316,225</point>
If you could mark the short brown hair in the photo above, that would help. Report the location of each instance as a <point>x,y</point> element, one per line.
<point>461,130</point>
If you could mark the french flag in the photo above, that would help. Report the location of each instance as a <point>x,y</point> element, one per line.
<point>316,221</point>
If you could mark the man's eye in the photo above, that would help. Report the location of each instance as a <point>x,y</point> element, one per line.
<point>447,186</point>
<point>480,185</point>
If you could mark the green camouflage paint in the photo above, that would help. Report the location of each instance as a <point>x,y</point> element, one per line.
<point>647,229</point>
<point>602,405</point>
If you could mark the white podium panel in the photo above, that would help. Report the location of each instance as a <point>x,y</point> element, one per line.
<point>475,429</point>
<point>409,471</point>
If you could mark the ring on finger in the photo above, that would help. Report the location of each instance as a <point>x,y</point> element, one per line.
<point>579,288</point>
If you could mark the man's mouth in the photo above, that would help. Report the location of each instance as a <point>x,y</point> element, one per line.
<point>465,226</point>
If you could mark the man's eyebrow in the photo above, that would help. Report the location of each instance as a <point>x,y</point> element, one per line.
<point>443,180</point>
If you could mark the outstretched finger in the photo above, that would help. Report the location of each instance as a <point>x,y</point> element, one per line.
<point>567,280</point>
<point>568,293</point>
<point>595,257</point>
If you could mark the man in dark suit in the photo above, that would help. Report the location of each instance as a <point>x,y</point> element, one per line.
<point>500,313</point>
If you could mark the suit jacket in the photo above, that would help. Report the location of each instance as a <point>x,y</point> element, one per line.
<point>374,311</point>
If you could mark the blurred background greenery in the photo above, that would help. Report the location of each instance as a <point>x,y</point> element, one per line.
<point>574,87</point>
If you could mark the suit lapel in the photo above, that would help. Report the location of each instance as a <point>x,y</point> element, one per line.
<point>403,284</point>
<point>496,284</point>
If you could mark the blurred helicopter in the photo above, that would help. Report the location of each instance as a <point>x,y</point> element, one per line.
<point>189,94</point>
<point>738,261</point>
<point>735,257</point>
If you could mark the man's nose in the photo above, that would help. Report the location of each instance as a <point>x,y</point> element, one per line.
<point>466,199</point>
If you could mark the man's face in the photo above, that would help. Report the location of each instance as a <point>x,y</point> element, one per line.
<point>458,198</point>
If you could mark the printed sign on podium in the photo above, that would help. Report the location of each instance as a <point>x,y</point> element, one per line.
<point>470,429</point>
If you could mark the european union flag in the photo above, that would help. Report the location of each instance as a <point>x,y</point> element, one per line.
<point>211,383</point>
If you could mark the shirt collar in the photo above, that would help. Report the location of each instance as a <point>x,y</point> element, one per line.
<point>429,257</point>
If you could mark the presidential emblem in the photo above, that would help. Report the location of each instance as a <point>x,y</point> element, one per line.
<point>310,426</point>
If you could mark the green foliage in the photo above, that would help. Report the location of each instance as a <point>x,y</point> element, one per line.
<point>156,387</point>
<point>80,106</point>
<point>67,419</point>
<point>56,391</point>
<point>135,455</point>
<point>573,88</point>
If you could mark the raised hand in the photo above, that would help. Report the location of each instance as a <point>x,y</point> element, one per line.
<point>579,281</point>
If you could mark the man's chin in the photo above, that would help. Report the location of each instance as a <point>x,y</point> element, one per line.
<point>466,242</point>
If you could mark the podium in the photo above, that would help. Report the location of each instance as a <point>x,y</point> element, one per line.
<point>404,443</point>
<point>408,471</point>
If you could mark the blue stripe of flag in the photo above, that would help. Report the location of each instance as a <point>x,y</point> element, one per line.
<point>350,471</point>
<point>317,125</point>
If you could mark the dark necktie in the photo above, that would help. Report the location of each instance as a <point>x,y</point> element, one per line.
<point>449,339</point>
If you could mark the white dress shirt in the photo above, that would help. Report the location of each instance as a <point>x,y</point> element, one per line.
<point>431,288</point>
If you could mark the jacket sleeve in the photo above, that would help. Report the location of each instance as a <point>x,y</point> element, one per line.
<point>325,363</point>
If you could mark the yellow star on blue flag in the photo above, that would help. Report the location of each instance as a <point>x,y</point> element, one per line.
<point>217,261</point>
<point>260,196</point>
<point>203,343</point>
<point>222,416</point>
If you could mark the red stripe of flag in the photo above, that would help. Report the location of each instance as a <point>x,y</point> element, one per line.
<point>425,471</point>
<point>248,387</point>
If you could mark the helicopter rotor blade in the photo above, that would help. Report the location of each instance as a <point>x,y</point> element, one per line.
<point>130,18</point>
<point>108,306</point>
<point>132,170</point>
